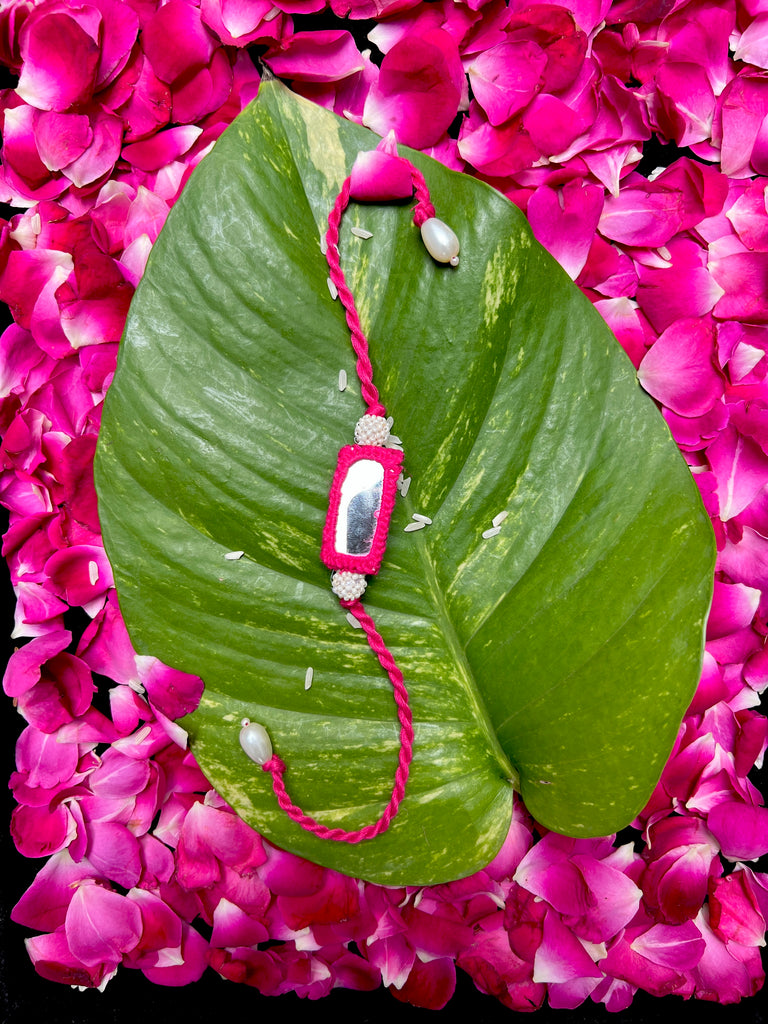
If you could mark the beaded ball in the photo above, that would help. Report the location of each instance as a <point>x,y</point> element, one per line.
<point>371,430</point>
<point>348,586</point>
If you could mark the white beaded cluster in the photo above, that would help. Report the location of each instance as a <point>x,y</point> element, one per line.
<point>371,430</point>
<point>348,586</point>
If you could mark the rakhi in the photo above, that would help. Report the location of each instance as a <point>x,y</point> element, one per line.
<point>361,501</point>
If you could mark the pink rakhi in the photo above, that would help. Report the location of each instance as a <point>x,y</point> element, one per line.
<point>360,504</point>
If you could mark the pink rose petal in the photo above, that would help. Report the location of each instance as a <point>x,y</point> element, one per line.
<point>101,925</point>
<point>324,56</point>
<point>176,41</point>
<point>505,78</point>
<point>420,87</point>
<point>679,370</point>
<point>380,174</point>
<point>564,221</point>
<point>740,828</point>
<point>60,57</point>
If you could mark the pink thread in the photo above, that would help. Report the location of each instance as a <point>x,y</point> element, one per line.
<point>276,766</point>
<point>421,212</point>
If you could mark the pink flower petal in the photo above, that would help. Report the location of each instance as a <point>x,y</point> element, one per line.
<point>743,108</point>
<point>161,932</point>
<point>420,87</point>
<point>42,831</point>
<point>741,471</point>
<point>237,22</point>
<point>101,925</point>
<point>82,575</point>
<point>162,148</point>
<point>733,608</point>
<point>429,985</point>
<point>176,41</point>
<point>173,692</point>
<point>734,910</point>
<point>101,154</point>
<point>24,665</point>
<point>728,972</point>
<point>113,852</point>
<point>320,56</point>
<point>564,221</point>
<point>685,103</point>
<point>678,946</point>
<point>740,828</point>
<point>47,763</point>
<point>679,370</point>
<point>53,960</point>
<point>60,58</point>
<point>119,29</point>
<point>232,926</point>
<point>210,838</point>
<point>505,78</point>
<point>561,957</point>
<point>742,277</point>
<point>378,176</point>
<point>61,138</point>
<point>553,125</point>
<point>44,904</point>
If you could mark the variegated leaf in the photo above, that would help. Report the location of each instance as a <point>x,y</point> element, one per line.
<point>558,655</point>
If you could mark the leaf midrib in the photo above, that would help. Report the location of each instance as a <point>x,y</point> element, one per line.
<point>458,652</point>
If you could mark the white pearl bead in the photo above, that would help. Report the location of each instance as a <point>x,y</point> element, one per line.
<point>348,586</point>
<point>255,741</point>
<point>440,241</point>
<point>371,430</point>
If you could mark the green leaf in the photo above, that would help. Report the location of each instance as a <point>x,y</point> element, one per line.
<point>559,655</point>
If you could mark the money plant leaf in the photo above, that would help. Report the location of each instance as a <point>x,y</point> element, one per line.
<point>555,658</point>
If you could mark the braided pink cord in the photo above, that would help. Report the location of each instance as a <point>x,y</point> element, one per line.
<point>276,767</point>
<point>359,340</point>
<point>422,211</point>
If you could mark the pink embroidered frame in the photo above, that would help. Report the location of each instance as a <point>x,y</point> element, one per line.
<point>391,459</point>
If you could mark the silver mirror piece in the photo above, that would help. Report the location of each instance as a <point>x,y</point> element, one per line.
<point>359,507</point>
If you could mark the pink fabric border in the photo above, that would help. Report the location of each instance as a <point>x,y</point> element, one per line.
<point>391,459</point>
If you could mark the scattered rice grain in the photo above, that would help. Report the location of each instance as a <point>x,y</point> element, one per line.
<point>323,244</point>
<point>333,289</point>
<point>353,621</point>
<point>362,233</point>
<point>232,556</point>
<point>308,678</point>
<point>342,380</point>
<point>494,530</point>
<point>499,518</point>
<point>405,485</point>
<point>421,519</point>
<point>390,421</point>
<point>414,526</point>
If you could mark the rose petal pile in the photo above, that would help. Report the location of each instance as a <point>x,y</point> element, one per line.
<point>551,103</point>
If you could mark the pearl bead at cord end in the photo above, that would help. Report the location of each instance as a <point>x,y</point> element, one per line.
<point>255,741</point>
<point>440,241</point>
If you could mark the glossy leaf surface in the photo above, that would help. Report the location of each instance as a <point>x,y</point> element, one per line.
<point>558,655</point>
